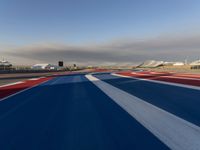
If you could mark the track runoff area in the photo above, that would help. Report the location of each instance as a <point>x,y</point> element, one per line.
<point>89,111</point>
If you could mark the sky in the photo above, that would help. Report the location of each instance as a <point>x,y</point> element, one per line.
<point>94,32</point>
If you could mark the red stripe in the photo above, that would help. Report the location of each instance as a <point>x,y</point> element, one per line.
<point>9,90</point>
<point>164,77</point>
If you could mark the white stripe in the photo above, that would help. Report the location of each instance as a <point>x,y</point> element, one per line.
<point>22,91</point>
<point>157,73</point>
<point>175,132</point>
<point>160,82</point>
<point>11,84</point>
<point>141,74</point>
<point>35,79</point>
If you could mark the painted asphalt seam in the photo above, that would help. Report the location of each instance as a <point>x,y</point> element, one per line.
<point>159,82</point>
<point>176,133</point>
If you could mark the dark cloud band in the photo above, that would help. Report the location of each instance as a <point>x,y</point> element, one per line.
<point>121,51</point>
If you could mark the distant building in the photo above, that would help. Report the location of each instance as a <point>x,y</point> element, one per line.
<point>195,64</point>
<point>5,65</point>
<point>173,64</point>
<point>155,63</point>
<point>151,64</point>
<point>44,67</point>
<point>178,64</point>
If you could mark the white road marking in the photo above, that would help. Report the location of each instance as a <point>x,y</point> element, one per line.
<point>175,132</point>
<point>19,82</point>
<point>160,82</point>
<point>10,84</point>
<point>35,78</point>
<point>22,91</point>
<point>133,73</point>
<point>160,73</point>
<point>141,74</point>
<point>156,73</point>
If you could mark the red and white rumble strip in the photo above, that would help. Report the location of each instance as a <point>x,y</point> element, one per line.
<point>164,77</point>
<point>13,88</point>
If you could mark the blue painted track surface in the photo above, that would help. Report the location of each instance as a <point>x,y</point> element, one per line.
<point>182,102</point>
<point>70,113</point>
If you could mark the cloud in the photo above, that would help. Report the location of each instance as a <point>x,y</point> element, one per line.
<point>170,48</point>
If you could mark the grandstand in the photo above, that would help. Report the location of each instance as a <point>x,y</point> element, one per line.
<point>151,64</point>
<point>154,64</point>
<point>5,65</point>
<point>195,64</point>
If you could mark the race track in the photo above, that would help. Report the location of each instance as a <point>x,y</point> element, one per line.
<point>101,111</point>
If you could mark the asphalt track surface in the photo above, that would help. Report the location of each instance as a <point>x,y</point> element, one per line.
<point>70,112</point>
<point>180,101</point>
